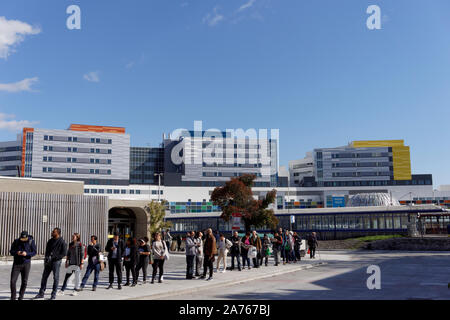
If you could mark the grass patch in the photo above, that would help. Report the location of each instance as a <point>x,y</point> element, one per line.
<point>380,237</point>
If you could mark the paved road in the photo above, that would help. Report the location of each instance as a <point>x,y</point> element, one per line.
<point>403,276</point>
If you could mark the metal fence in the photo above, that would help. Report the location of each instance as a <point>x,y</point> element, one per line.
<point>39,214</point>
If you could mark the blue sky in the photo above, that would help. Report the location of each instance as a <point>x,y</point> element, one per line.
<point>309,68</point>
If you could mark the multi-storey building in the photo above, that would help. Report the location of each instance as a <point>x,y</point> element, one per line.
<point>198,159</point>
<point>93,154</point>
<point>11,158</point>
<point>145,165</point>
<point>300,169</point>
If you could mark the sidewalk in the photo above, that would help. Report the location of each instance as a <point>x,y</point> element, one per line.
<point>175,283</point>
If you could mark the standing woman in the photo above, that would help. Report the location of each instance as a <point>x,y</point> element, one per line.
<point>130,261</point>
<point>159,250</point>
<point>287,247</point>
<point>244,251</point>
<point>143,259</point>
<point>198,253</point>
<point>265,251</point>
<point>74,263</point>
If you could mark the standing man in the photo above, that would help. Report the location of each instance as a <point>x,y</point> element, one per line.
<point>116,249</point>
<point>190,255</point>
<point>55,251</point>
<point>198,253</point>
<point>22,249</point>
<point>93,252</point>
<point>277,247</point>
<point>179,243</point>
<point>281,234</point>
<point>236,250</point>
<point>168,239</point>
<point>209,254</point>
<point>256,242</point>
<point>312,245</point>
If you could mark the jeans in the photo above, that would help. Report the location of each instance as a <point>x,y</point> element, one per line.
<point>276,255</point>
<point>91,267</point>
<point>190,267</point>
<point>115,264</point>
<point>24,271</point>
<point>54,268</point>
<point>130,266</point>
<point>222,257</point>
<point>69,272</point>
<point>245,259</point>
<point>238,258</point>
<point>198,265</point>
<point>158,264</point>
<point>312,252</point>
<point>208,263</point>
<point>143,264</point>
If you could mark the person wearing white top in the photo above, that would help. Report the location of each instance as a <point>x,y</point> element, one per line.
<point>223,245</point>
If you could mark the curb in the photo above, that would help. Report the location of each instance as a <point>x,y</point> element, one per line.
<point>172,293</point>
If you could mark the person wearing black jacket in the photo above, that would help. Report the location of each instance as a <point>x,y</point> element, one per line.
<point>130,258</point>
<point>116,249</point>
<point>236,250</point>
<point>93,252</point>
<point>312,245</point>
<point>143,258</point>
<point>55,251</point>
<point>22,249</point>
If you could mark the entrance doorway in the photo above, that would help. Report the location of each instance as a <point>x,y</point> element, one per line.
<point>123,221</point>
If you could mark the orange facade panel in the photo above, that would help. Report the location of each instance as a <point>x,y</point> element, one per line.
<point>104,129</point>
<point>24,145</point>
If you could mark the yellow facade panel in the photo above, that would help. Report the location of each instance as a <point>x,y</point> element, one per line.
<point>377,143</point>
<point>402,163</point>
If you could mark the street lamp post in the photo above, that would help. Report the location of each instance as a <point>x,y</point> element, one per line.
<point>159,185</point>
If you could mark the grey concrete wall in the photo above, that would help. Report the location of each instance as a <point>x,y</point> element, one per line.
<point>40,213</point>
<point>41,186</point>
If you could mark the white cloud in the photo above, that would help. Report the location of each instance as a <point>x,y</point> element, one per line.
<point>12,32</point>
<point>214,18</point>
<point>246,5</point>
<point>7,122</point>
<point>24,85</point>
<point>92,76</point>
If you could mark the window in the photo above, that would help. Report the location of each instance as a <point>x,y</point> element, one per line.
<point>45,158</point>
<point>45,137</point>
<point>101,191</point>
<point>91,171</point>
<point>138,191</point>
<point>109,161</point>
<point>44,169</point>
<point>50,169</point>
<point>97,150</point>
<point>92,150</point>
<point>123,191</point>
<point>69,139</point>
<point>92,140</point>
<point>91,160</point>
<point>97,140</point>
<point>69,159</point>
<point>108,172</point>
<point>68,170</point>
<point>109,141</point>
<point>45,148</point>
<point>131,191</point>
<point>75,149</point>
<point>75,139</point>
<point>86,190</point>
<point>97,171</point>
<point>74,170</point>
<point>109,151</point>
<point>116,191</point>
<point>93,190</point>
<point>97,161</point>
<point>50,138</point>
<point>109,191</point>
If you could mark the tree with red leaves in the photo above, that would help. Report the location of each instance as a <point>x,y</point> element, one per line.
<point>237,197</point>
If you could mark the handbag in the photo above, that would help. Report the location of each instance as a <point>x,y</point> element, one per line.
<point>253,252</point>
<point>102,266</point>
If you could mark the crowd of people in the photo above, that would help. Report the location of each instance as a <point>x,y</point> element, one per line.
<point>202,250</point>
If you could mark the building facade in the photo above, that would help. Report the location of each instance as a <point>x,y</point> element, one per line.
<point>93,154</point>
<point>10,158</point>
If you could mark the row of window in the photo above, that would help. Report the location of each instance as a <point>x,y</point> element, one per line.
<point>75,170</point>
<point>74,160</point>
<point>120,191</point>
<point>11,158</point>
<point>76,139</point>
<point>75,149</point>
<point>359,164</point>
<point>359,155</point>
<point>230,174</point>
<point>372,183</point>
<point>360,174</point>
<point>10,149</point>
